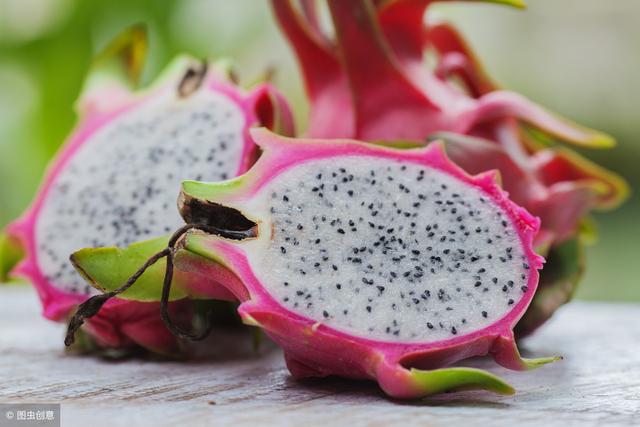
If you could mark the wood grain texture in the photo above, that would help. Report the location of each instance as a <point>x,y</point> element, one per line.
<point>598,383</point>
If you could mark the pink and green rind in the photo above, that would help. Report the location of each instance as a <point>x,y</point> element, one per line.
<point>329,351</point>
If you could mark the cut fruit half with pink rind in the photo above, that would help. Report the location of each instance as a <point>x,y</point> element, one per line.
<point>115,180</point>
<point>372,262</point>
<point>369,262</point>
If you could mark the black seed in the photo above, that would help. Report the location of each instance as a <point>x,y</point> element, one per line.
<point>484,314</point>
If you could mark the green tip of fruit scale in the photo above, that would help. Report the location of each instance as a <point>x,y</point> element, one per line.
<point>125,55</point>
<point>519,4</point>
<point>10,254</point>
<point>459,379</point>
<point>538,362</point>
<point>108,268</point>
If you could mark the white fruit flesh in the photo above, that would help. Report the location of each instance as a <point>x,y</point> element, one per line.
<point>121,185</point>
<point>387,250</point>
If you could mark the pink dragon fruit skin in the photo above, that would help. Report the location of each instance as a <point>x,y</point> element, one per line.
<point>107,99</point>
<point>314,348</point>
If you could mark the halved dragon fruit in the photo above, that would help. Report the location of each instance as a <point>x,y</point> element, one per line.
<point>115,180</point>
<point>375,71</point>
<point>365,261</point>
<point>370,262</point>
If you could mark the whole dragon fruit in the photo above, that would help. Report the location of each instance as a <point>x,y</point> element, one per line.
<point>372,83</point>
<point>366,261</point>
<point>116,178</point>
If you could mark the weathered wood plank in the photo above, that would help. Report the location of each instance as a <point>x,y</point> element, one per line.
<point>598,383</point>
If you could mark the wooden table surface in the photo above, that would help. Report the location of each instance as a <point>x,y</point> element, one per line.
<point>598,383</point>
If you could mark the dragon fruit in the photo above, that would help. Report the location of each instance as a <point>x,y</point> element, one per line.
<point>116,178</point>
<point>365,261</point>
<point>375,71</point>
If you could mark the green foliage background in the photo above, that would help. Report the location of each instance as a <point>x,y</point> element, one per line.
<point>578,57</point>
